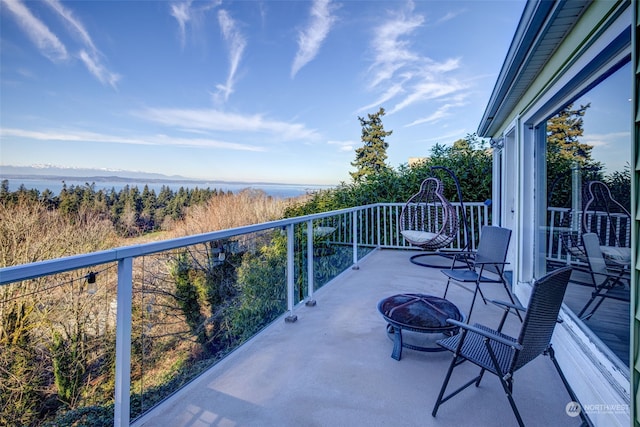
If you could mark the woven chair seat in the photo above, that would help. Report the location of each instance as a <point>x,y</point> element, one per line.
<point>474,350</point>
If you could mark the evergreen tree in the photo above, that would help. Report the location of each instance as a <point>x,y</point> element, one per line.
<point>564,151</point>
<point>4,190</point>
<point>371,157</point>
<point>188,290</point>
<point>563,133</point>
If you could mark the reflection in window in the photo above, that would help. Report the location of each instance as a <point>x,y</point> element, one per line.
<point>588,202</point>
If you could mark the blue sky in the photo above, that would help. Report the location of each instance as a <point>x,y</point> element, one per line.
<point>246,90</point>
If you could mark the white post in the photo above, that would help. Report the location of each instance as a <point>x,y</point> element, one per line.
<point>576,197</point>
<point>310,301</point>
<point>355,239</point>
<point>123,343</point>
<point>290,274</point>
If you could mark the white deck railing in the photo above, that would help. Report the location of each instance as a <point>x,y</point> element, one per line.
<point>362,229</point>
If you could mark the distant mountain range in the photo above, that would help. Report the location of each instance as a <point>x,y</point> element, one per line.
<point>50,172</point>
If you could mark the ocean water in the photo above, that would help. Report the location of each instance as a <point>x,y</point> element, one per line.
<point>274,190</point>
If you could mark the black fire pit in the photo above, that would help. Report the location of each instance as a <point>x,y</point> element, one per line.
<point>426,314</point>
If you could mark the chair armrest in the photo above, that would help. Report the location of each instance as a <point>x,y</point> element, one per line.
<point>508,305</point>
<point>464,253</point>
<point>451,251</point>
<point>611,272</point>
<point>462,256</point>
<point>483,260</point>
<point>486,334</point>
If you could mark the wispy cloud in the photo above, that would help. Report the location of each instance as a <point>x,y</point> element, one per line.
<point>310,39</point>
<point>92,137</point>
<point>89,54</point>
<point>449,16</point>
<point>400,74</point>
<point>442,112</point>
<point>391,49</point>
<point>188,128</point>
<point>220,121</point>
<point>52,47</point>
<point>428,89</point>
<point>97,68</point>
<point>343,146</point>
<point>47,42</point>
<point>236,44</point>
<point>190,14</point>
<point>182,12</point>
<point>605,139</point>
<point>391,92</point>
<point>452,135</point>
<point>75,25</point>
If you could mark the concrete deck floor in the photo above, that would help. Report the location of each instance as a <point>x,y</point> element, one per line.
<point>333,367</point>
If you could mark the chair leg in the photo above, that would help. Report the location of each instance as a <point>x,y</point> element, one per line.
<point>506,381</point>
<point>593,297</point>
<point>507,385</point>
<point>446,289</point>
<point>551,353</point>
<point>439,401</point>
<point>481,294</point>
<point>480,377</point>
<point>441,398</point>
<point>588,316</point>
<point>513,301</point>
<point>473,301</point>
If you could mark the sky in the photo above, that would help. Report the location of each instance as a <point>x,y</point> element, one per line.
<point>255,91</point>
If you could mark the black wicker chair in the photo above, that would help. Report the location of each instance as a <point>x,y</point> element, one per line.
<point>486,265</point>
<point>502,355</point>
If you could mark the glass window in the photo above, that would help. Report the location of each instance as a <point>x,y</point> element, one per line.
<point>588,193</point>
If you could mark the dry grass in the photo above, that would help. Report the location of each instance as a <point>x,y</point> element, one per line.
<point>232,210</point>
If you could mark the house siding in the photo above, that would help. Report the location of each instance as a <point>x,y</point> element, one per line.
<point>635,298</point>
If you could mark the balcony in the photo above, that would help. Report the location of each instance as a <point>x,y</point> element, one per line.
<point>333,367</point>
<point>326,363</point>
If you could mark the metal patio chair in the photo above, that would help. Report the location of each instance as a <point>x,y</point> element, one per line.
<point>489,258</point>
<point>502,355</point>
<point>607,281</point>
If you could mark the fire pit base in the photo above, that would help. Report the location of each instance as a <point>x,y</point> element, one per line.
<point>418,314</point>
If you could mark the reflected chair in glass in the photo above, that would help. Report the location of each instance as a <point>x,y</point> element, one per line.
<point>485,265</point>
<point>608,282</point>
<point>603,215</point>
<point>502,355</point>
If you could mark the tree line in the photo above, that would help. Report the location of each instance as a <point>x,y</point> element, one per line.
<point>131,211</point>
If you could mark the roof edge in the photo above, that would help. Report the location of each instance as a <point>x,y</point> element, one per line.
<point>532,21</point>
